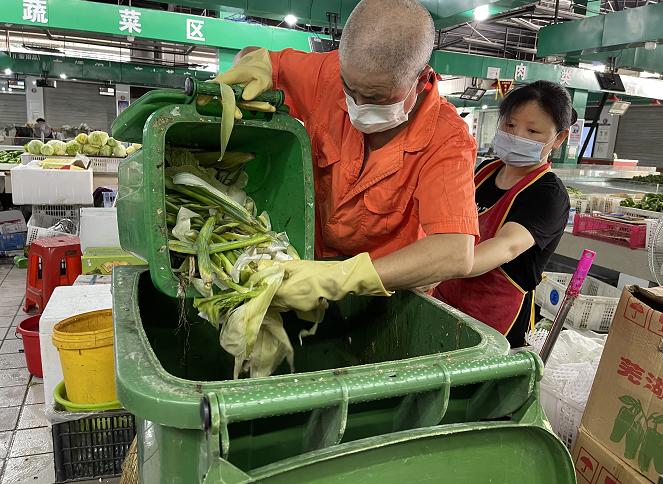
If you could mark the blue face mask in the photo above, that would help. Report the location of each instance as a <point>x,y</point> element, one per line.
<point>516,151</point>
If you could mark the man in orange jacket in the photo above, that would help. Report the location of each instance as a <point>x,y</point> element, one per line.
<point>393,162</point>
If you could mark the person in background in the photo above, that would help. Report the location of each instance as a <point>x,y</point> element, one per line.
<point>42,130</point>
<point>392,160</point>
<point>523,209</point>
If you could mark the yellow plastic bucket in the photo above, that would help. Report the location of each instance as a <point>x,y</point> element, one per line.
<point>85,344</point>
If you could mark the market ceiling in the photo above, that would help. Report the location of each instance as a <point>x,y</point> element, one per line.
<point>446,13</point>
<point>629,36</point>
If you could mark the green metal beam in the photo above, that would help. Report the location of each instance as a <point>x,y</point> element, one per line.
<point>468,65</point>
<point>638,59</point>
<point>611,32</point>
<point>95,70</point>
<point>125,21</point>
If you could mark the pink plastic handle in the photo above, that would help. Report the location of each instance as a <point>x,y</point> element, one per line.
<point>584,264</point>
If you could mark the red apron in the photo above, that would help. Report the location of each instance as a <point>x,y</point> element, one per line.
<point>493,298</point>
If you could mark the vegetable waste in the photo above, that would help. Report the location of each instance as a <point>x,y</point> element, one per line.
<point>220,248</point>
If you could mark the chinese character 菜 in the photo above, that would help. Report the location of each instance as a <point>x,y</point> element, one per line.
<point>194,29</point>
<point>35,11</point>
<point>631,370</point>
<point>130,21</point>
<point>566,76</point>
<point>655,384</point>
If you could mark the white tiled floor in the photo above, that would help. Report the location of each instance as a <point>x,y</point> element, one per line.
<point>26,453</point>
<point>26,445</point>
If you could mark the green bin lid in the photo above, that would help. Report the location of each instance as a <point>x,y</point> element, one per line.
<point>498,452</point>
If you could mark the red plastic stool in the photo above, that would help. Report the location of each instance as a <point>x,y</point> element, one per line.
<point>52,262</point>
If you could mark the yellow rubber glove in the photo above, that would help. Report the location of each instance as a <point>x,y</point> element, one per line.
<point>307,284</point>
<point>254,72</point>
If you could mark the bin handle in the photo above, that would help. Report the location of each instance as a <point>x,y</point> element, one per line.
<point>326,426</point>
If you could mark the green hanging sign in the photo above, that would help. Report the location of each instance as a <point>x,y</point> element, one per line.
<point>144,23</point>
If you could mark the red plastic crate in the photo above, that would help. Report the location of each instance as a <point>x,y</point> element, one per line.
<point>620,233</point>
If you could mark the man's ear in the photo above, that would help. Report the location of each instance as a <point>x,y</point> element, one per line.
<point>561,137</point>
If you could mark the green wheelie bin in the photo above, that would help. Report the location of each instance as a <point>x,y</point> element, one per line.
<point>393,389</point>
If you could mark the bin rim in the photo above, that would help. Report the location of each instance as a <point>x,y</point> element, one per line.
<point>179,400</point>
<point>83,339</point>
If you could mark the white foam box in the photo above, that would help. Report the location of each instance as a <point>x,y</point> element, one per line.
<point>66,301</point>
<point>99,228</point>
<point>34,185</point>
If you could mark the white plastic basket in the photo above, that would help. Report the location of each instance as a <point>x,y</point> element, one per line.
<point>46,216</point>
<point>593,309</point>
<point>605,203</point>
<point>567,378</point>
<point>99,164</point>
<point>638,212</point>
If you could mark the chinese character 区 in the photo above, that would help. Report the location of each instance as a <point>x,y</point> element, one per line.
<point>194,29</point>
<point>655,384</point>
<point>130,21</point>
<point>566,76</point>
<point>521,72</point>
<point>630,370</point>
<point>35,11</point>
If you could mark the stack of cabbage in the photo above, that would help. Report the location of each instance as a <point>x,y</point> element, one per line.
<point>97,143</point>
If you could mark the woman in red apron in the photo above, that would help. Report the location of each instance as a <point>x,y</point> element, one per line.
<point>523,210</point>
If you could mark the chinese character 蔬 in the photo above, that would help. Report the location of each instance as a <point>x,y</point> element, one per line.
<point>521,72</point>
<point>130,21</point>
<point>655,384</point>
<point>35,11</point>
<point>630,370</point>
<point>194,29</point>
<point>566,76</point>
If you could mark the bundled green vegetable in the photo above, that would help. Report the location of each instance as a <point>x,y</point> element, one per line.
<point>10,157</point>
<point>651,201</point>
<point>654,179</point>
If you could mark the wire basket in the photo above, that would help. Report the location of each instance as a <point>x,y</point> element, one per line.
<point>593,309</point>
<point>53,221</point>
<point>629,235</point>
<point>92,447</point>
<point>99,164</point>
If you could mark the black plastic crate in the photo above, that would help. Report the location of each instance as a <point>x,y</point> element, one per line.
<point>92,447</point>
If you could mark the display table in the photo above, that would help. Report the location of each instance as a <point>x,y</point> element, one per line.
<point>633,262</point>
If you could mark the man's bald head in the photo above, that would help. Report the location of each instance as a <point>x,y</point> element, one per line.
<point>388,38</point>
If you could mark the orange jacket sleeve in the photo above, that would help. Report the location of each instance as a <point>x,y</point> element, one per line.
<point>445,192</point>
<point>298,75</point>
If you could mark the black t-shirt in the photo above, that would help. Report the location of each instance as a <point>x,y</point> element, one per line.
<point>543,209</point>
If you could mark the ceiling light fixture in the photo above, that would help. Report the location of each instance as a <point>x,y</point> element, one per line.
<point>63,76</point>
<point>290,19</point>
<point>8,72</point>
<point>481,13</point>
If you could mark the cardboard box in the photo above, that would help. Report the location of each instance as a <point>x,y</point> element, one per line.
<point>597,465</point>
<point>101,260</point>
<point>624,412</point>
<point>11,222</point>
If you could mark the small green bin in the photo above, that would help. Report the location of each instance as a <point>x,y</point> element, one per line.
<point>280,176</point>
<point>385,382</point>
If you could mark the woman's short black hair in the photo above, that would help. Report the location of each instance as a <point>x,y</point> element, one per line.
<point>41,120</point>
<point>553,98</point>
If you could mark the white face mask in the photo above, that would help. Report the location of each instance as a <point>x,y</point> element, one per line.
<point>374,118</point>
<point>516,151</point>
